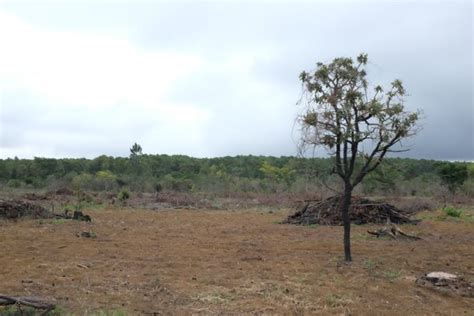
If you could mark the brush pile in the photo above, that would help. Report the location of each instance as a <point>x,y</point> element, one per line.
<point>18,209</point>
<point>362,211</point>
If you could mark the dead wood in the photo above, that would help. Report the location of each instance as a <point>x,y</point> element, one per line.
<point>32,302</point>
<point>362,211</point>
<point>14,209</point>
<point>77,215</point>
<point>393,231</point>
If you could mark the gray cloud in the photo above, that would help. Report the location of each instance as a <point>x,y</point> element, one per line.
<point>244,93</point>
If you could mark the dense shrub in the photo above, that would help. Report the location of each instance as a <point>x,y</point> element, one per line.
<point>452,211</point>
<point>15,183</point>
<point>123,195</point>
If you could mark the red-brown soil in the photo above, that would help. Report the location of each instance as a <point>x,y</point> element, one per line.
<point>212,262</point>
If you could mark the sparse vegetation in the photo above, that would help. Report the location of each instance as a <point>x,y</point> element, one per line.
<point>221,260</point>
<point>452,211</point>
<point>392,275</point>
<point>342,225</point>
<point>368,264</point>
<point>123,195</point>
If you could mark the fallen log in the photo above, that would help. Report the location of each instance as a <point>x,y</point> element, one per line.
<point>32,302</point>
<point>392,231</point>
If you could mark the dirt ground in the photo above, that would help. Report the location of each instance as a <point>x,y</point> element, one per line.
<point>230,262</point>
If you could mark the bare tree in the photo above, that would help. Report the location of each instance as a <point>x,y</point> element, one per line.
<point>358,127</point>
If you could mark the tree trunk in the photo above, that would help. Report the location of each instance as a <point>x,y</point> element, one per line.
<point>346,202</point>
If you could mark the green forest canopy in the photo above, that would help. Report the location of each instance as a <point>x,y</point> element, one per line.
<point>241,173</point>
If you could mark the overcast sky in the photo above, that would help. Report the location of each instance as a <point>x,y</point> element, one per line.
<point>81,79</point>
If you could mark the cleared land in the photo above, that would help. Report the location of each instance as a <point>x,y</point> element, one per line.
<point>243,261</point>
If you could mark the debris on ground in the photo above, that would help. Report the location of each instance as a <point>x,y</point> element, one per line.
<point>77,215</point>
<point>252,258</point>
<point>362,211</point>
<point>392,231</point>
<point>83,266</point>
<point>446,283</point>
<point>86,234</point>
<point>17,209</point>
<point>32,302</point>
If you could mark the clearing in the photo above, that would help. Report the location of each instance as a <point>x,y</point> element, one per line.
<point>230,261</point>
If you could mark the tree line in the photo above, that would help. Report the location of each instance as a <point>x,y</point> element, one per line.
<point>151,173</point>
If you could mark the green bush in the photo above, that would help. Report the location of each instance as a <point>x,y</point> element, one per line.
<point>123,195</point>
<point>453,174</point>
<point>105,180</point>
<point>452,211</point>
<point>14,183</point>
<point>82,181</point>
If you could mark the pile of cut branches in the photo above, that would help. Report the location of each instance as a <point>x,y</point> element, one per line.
<point>18,209</point>
<point>362,211</point>
<point>15,209</point>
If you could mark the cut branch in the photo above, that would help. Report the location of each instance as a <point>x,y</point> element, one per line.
<point>32,302</point>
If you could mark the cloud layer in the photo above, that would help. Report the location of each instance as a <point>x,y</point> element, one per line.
<point>208,79</point>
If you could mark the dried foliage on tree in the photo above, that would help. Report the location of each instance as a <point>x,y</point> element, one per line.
<point>357,124</point>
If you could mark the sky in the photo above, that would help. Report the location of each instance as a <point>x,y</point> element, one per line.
<point>217,78</point>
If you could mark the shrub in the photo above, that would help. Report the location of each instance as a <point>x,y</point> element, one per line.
<point>452,211</point>
<point>82,181</point>
<point>123,195</point>
<point>121,182</point>
<point>453,175</point>
<point>158,187</point>
<point>105,180</point>
<point>14,183</point>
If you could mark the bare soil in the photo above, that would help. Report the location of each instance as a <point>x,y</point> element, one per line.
<point>232,262</point>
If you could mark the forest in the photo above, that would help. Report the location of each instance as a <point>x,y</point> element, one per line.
<point>223,175</point>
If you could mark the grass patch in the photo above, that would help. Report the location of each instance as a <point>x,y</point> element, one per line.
<point>55,221</point>
<point>215,297</point>
<point>110,313</point>
<point>369,265</point>
<point>452,211</point>
<point>27,311</point>
<point>335,300</point>
<point>449,213</point>
<point>361,236</point>
<point>392,275</point>
<point>59,221</point>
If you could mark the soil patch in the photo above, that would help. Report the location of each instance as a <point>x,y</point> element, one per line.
<point>362,211</point>
<point>235,262</point>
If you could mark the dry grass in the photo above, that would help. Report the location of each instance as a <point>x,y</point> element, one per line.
<point>211,262</point>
